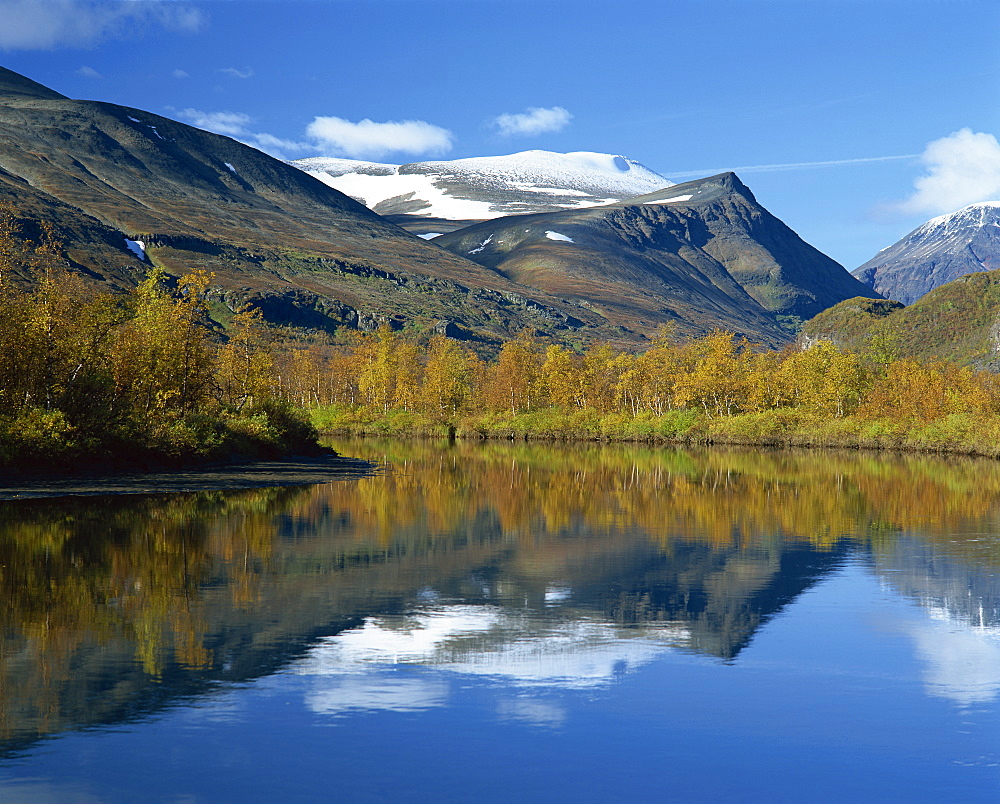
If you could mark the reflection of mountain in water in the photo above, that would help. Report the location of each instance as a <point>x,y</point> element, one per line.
<point>722,596</point>
<point>537,565</point>
<point>943,582</point>
<point>960,642</point>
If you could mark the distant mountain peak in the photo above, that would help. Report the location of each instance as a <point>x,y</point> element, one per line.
<point>978,214</point>
<point>15,84</point>
<point>937,252</point>
<point>697,191</point>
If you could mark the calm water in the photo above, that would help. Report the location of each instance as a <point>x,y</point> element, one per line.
<point>512,622</point>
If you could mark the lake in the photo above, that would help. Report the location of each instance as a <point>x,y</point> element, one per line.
<point>498,622</point>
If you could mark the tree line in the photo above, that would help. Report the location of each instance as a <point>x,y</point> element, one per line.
<point>90,373</point>
<point>716,376</point>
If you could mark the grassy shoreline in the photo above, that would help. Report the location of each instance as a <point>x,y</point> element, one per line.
<point>957,433</point>
<point>44,442</point>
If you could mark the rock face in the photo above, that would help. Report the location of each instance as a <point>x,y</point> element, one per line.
<point>700,255</point>
<point>943,249</point>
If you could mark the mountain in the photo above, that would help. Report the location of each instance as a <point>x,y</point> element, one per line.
<point>958,321</point>
<point>935,253</point>
<point>430,198</point>
<point>127,189</point>
<point>303,252</point>
<point>702,254</point>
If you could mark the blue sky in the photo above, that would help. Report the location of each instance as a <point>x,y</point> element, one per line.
<point>897,99</point>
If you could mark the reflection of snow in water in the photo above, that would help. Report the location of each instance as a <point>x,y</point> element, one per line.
<point>523,649</point>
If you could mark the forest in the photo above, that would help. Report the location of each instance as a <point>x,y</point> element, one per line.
<point>92,375</point>
<point>88,376</point>
<point>717,388</point>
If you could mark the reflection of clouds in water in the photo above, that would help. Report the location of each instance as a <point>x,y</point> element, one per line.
<point>522,648</point>
<point>962,661</point>
<point>356,693</point>
<point>532,711</point>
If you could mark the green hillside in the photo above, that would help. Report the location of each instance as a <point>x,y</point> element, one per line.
<point>959,321</point>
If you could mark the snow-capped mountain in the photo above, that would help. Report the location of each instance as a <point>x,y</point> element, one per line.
<point>487,187</point>
<point>943,249</point>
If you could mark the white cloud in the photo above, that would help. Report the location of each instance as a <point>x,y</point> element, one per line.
<point>235,72</point>
<point>180,74</point>
<point>239,126</point>
<point>47,24</point>
<point>961,663</point>
<point>277,146</point>
<point>88,72</point>
<point>534,121</point>
<point>232,124</point>
<point>962,168</point>
<point>371,140</point>
<point>330,136</point>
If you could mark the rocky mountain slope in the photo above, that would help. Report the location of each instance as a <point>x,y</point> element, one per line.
<point>127,189</point>
<point>691,254</point>
<point>935,253</point>
<point>431,198</point>
<point>305,253</point>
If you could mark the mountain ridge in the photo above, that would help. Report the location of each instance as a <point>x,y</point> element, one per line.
<point>679,255</point>
<point>309,256</point>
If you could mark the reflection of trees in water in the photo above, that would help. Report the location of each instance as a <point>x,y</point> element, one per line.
<point>104,597</point>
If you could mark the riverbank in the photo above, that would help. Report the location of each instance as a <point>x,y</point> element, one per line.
<point>957,433</point>
<point>47,443</point>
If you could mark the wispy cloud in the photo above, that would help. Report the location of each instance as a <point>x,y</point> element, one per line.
<point>47,24</point>
<point>961,169</point>
<point>532,122</point>
<point>789,166</point>
<point>88,72</point>
<point>236,72</point>
<point>232,124</point>
<point>180,74</point>
<point>239,126</point>
<point>371,140</point>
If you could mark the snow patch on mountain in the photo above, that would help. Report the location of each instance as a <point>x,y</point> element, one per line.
<point>951,231</point>
<point>984,213</point>
<point>420,191</point>
<point>676,199</point>
<point>482,245</point>
<point>480,188</point>
<point>558,236</point>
